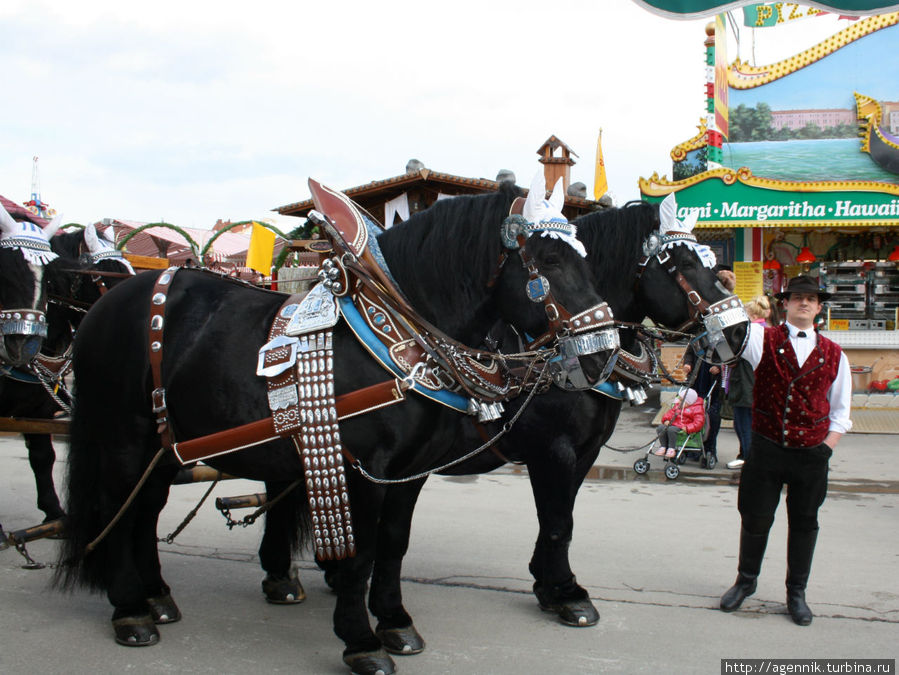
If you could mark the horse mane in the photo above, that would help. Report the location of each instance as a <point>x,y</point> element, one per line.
<point>613,238</point>
<point>442,257</point>
<point>68,244</point>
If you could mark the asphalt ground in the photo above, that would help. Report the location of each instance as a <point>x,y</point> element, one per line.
<point>654,554</point>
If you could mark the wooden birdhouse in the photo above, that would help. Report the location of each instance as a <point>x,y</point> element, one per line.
<point>556,158</point>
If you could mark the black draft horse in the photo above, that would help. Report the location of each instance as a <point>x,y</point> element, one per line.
<point>69,291</point>
<point>29,272</point>
<point>560,434</point>
<point>443,259</point>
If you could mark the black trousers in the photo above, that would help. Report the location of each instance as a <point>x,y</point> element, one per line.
<point>771,466</point>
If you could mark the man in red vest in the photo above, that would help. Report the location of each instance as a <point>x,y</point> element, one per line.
<point>800,411</point>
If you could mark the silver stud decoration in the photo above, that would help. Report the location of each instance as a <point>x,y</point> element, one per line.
<point>321,450</point>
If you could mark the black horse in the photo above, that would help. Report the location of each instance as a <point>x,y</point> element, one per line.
<point>560,434</point>
<point>444,259</point>
<point>67,290</point>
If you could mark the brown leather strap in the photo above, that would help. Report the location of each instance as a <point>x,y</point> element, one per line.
<point>247,435</point>
<point>157,324</point>
<point>287,416</point>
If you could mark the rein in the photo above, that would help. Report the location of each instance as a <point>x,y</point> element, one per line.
<point>507,426</point>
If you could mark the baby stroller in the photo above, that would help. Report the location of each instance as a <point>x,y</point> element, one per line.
<point>686,443</point>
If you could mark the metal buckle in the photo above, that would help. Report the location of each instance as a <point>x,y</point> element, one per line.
<point>279,367</point>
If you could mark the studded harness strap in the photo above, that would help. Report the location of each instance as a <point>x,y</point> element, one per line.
<point>157,323</point>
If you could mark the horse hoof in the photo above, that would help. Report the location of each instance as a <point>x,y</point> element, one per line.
<point>578,613</point>
<point>163,609</point>
<point>283,590</point>
<point>135,631</point>
<point>370,663</point>
<point>401,640</point>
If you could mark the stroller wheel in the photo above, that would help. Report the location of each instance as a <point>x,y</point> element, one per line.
<point>671,471</point>
<point>682,458</point>
<point>641,466</point>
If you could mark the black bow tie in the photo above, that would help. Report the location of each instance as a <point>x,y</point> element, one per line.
<point>801,334</point>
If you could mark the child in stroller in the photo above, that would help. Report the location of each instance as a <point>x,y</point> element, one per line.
<point>687,414</point>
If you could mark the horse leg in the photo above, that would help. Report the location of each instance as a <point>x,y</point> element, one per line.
<point>152,500</point>
<point>281,585</point>
<point>132,621</point>
<point>41,456</point>
<point>134,580</point>
<point>385,599</point>
<point>363,651</point>
<point>555,476</point>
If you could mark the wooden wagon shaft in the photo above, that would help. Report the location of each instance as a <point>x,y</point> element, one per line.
<point>50,529</point>
<point>242,502</point>
<point>27,425</point>
<point>199,474</point>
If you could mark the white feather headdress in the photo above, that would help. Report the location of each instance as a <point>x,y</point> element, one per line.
<point>676,232</point>
<point>545,215</point>
<point>32,240</point>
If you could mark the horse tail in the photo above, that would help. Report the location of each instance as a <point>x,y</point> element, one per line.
<point>111,437</point>
<point>85,515</point>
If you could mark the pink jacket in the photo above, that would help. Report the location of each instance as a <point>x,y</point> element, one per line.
<point>690,418</point>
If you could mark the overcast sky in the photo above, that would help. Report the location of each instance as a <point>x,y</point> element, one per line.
<point>189,111</point>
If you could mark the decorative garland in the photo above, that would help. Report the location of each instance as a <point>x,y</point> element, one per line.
<point>190,242</point>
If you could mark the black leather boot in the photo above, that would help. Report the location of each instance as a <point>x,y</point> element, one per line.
<point>800,549</point>
<point>752,550</point>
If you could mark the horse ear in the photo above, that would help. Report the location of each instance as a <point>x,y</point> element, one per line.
<point>536,194</point>
<point>90,238</point>
<point>557,199</point>
<point>668,213</point>
<point>689,221</point>
<point>7,224</point>
<point>53,227</point>
<point>109,235</point>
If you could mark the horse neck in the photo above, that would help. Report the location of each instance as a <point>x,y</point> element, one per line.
<point>614,245</point>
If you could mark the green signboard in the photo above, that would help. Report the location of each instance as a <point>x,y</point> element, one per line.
<point>726,198</point>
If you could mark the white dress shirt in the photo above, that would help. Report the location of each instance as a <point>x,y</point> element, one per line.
<point>840,394</point>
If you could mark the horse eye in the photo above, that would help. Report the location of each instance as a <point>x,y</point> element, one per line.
<point>552,259</point>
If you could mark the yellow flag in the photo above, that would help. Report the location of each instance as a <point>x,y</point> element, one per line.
<point>262,247</point>
<point>600,183</point>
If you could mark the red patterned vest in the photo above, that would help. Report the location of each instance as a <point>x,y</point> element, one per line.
<point>790,405</point>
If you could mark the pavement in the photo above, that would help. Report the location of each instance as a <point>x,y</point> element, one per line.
<point>654,554</point>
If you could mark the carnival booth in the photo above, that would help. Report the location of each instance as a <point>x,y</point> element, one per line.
<point>795,168</point>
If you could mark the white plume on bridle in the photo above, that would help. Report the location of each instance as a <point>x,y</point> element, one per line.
<point>545,215</point>
<point>32,240</point>
<point>670,227</point>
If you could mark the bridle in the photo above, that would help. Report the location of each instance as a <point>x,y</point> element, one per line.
<point>89,259</point>
<point>714,317</point>
<point>588,332</point>
<point>27,322</point>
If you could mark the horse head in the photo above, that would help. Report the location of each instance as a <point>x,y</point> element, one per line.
<point>24,258</point>
<point>92,266</point>
<point>99,254</point>
<point>678,288</point>
<point>560,304</point>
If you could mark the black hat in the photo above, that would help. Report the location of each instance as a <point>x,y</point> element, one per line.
<point>802,284</point>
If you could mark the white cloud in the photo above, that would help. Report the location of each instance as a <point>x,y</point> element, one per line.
<point>193,111</point>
